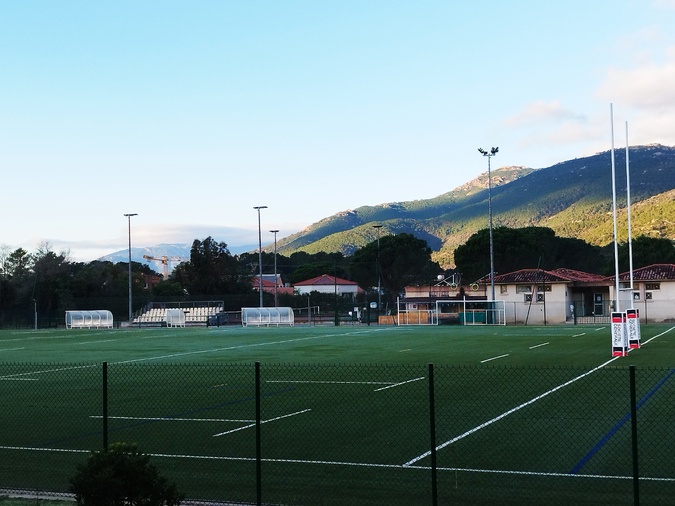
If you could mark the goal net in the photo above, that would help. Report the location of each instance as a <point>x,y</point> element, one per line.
<point>482,312</point>
<point>459,311</point>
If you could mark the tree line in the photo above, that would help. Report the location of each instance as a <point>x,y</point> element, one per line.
<point>45,284</point>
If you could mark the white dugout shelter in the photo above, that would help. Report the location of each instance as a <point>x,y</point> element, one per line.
<point>175,318</point>
<point>267,316</point>
<point>100,318</point>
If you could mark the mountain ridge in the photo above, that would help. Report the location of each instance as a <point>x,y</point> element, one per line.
<point>572,197</point>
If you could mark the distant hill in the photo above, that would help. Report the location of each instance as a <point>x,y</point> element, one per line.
<point>574,198</point>
<point>175,252</point>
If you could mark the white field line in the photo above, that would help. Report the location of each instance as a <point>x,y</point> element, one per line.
<point>263,421</point>
<point>525,404</point>
<point>351,464</point>
<point>539,345</point>
<point>599,328</point>
<point>172,419</point>
<point>14,349</point>
<point>229,348</point>
<point>398,384</point>
<point>71,368</point>
<point>579,335</point>
<point>326,382</point>
<point>507,413</point>
<point>658,335</point>
<point>493,358</point>
<point>95,342</point>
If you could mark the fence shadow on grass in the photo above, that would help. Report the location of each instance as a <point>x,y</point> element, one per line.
<point>347,434</point>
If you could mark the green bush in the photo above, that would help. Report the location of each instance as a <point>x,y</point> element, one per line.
<point>122,476</point>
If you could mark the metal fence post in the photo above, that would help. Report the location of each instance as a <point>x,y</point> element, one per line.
<point>634,437</point>
<point>105,405</point>
<point>432,432</point>
<point>258,453</point>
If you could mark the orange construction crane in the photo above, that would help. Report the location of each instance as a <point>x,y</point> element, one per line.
<point>165,263</point>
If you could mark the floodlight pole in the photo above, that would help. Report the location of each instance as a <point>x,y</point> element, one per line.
<point>378,269</point>
<point>276,302</point>
<point>129,215</point>
<point>489,155</point>
<point>258,208</point>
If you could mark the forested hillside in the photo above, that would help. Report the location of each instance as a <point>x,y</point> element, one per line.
<point>574,198</point>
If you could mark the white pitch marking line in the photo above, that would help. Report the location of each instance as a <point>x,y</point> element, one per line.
<point>599,328</point>
<point>96,342</point>
<point>507,413</point>
<point>398,384</point>
<point>264,421</point>
<point>228,348</point>
<point>13,349</point>
<point>401,351</point>
<point>30,373</point>
<point>172,419</point>
<point>579,335</point>
<point>538,345</point>
<point>326,382</point>
<point>493,358</point>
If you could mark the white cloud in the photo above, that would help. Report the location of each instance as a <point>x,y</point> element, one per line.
<point>648,85</point>
<point>543,112</point>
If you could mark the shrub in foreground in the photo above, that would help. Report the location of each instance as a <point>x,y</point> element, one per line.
<point>122,476</point>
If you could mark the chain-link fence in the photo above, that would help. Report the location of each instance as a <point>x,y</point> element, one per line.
<point>351,434</point>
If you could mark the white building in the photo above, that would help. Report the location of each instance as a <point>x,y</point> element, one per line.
<point>327,284</point>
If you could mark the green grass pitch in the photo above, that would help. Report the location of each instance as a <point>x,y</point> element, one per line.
<point>523,414</point>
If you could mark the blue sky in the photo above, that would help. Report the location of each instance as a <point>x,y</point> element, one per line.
<point>192,113</point>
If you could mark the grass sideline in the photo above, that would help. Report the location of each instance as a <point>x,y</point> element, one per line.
<point>335,390</point>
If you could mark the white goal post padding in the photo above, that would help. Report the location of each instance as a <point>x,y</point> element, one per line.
<point>267,316</point>
<point>175,318</point>
<point>100,318</point>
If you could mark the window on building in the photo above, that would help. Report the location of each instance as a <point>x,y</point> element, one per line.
<point>523,288</point>
<point>653,286</point>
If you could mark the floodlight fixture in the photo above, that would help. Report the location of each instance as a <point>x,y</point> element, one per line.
<point>258,208</point>
<point>276,301</point>
<point>379,270</point>
<point>129,215</point>
<point>493,151</point>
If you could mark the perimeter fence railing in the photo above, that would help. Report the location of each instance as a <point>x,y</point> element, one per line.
<point>350,434</point>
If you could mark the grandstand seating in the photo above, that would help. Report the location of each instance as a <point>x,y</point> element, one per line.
<point>196,313</point>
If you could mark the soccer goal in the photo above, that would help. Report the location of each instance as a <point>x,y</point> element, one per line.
<point>267,316</point>
<point>482,312</point>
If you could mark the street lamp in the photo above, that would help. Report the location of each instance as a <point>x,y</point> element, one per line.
<point>129,220</point>
<point>489,155</point>
<point>258,208</point>
<point>276,303</point>
<point>378,269</point>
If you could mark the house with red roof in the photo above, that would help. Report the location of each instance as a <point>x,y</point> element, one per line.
<point>327,284</point>
<point>652,292</point>
<point>537,296</point>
